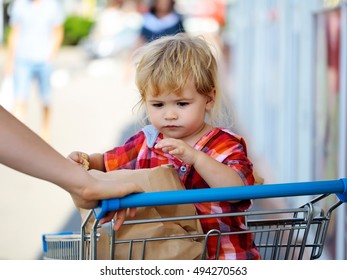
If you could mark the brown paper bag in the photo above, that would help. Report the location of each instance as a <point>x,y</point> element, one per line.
<point>155,179</point>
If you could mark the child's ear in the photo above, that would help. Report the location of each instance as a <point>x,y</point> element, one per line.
<point>210,100</point>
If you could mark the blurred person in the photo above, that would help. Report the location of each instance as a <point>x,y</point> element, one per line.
<point>24,151</point>
<point>161,19</point>
<point>177,78</point>
<point>34,40</point>
<point>115,30</point>
<point>206,17</point>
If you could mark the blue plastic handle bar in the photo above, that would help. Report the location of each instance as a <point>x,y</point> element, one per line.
<point>338,187</point>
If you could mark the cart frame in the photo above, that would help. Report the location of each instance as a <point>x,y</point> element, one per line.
<point>297,233</point>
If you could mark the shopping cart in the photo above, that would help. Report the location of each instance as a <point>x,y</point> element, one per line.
<point>296,233</point>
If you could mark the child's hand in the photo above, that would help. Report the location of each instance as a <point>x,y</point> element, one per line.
<point>179,149</point>
<point>80,158</point>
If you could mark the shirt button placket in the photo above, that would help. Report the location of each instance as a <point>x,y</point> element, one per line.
<point>183,169</point>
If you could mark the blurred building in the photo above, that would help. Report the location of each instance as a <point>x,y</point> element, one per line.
<point>289,70</point>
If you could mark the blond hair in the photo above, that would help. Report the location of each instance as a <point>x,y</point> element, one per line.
<point>166,63</point>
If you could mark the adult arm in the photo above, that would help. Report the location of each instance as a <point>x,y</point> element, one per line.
<point>24,151</point>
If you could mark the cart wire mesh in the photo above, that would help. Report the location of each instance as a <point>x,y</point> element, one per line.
<point>279,234</point>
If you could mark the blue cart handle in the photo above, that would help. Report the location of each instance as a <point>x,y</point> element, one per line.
<point>339,187</point>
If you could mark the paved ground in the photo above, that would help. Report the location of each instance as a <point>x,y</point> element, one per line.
<point>92,109</point>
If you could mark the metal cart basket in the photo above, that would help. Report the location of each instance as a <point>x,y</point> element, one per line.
<point>279,234</point>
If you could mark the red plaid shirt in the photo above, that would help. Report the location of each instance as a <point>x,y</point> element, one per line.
<point>222,145</point>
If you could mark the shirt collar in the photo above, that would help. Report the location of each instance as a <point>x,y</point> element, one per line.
<point>151,134</point>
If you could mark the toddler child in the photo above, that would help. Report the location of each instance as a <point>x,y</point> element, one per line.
<point>177,80</point>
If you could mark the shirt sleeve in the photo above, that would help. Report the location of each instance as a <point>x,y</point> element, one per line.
<point>58,13</point>
<point>230,149</point>
<point>237,159</point>
<point>124,157</point>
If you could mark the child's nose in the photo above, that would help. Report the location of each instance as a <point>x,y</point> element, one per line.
<point>170,115</point>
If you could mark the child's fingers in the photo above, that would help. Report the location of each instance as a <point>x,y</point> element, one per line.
<point>168,149</point>
<point>175,152</point>
<point>164,143</point>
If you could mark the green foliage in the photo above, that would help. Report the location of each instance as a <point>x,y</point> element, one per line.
<point>7,30</point>
<point>75,29</point>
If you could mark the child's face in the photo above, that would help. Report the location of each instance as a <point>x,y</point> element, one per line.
<point>180,117</point>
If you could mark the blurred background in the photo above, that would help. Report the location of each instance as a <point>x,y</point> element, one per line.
<point>284,70</point>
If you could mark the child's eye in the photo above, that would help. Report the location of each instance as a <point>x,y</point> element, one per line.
<point>158,105</point>
<point>182,104</point>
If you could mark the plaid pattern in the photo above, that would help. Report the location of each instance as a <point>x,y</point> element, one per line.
<point>223,146</point>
